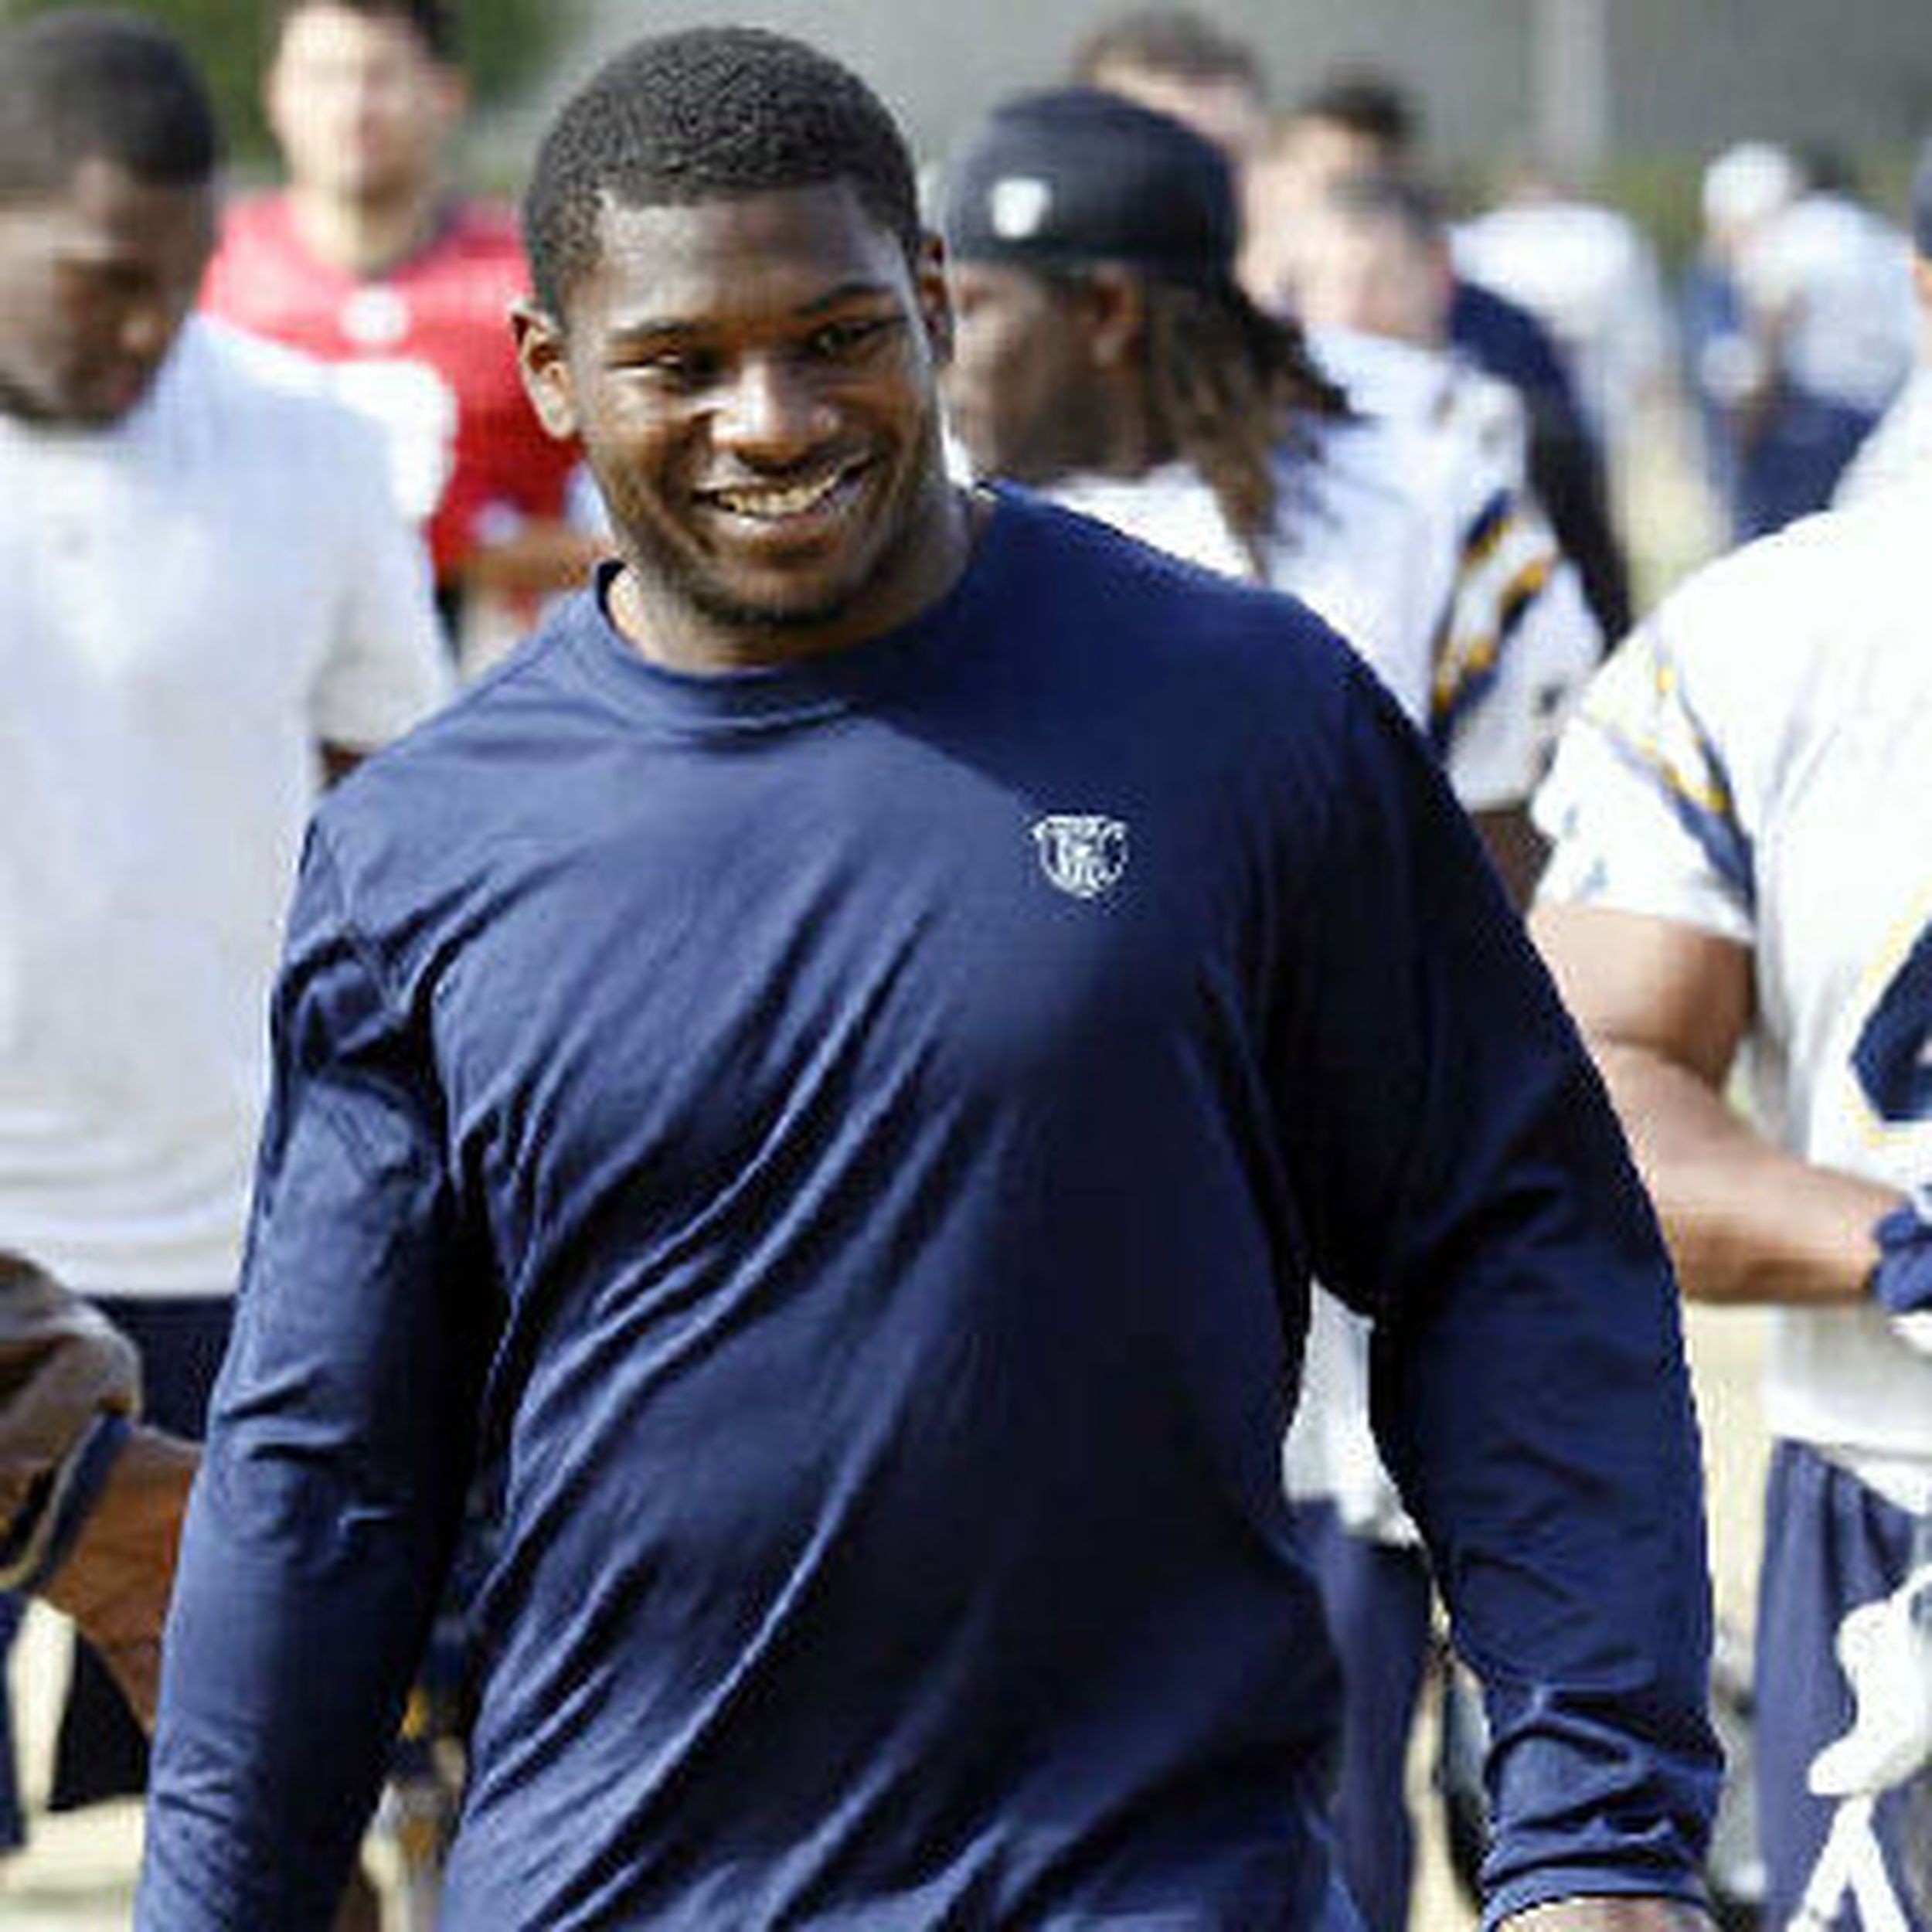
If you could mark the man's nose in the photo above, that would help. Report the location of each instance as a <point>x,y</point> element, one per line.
<point>772,411</point>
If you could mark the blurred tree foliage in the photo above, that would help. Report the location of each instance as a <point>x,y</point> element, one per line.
<point>505,44</point>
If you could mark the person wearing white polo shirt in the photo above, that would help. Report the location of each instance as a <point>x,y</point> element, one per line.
<point>208,606</point>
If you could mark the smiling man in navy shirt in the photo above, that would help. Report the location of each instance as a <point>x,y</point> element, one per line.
<point>825,1078</point>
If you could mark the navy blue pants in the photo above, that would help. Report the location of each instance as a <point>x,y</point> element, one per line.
<point>1795,462</point>
<point>1830,1545</point>
<point>1376,1598</point>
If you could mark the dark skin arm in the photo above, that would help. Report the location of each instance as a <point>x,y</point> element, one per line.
<point>1516,848</point>
<point>1663,1008</point>
<point>115,1584</point>
<point>545,556</point>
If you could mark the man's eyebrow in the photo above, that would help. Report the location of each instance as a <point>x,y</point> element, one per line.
<point>856,291</point>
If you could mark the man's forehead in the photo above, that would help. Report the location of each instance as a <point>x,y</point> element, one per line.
<point>748,218</point>
<point>751,246</point>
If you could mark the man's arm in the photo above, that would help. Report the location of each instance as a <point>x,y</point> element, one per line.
<point>115,1583</point>
<point>543,557</point>
<point>89,1508</point>
<point>62,1365</point>
<point>1463,1183</point>
<point>339,1446</point>
<point>1663,1007</point>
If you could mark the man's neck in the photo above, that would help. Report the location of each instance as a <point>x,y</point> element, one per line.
<point>366,237</point>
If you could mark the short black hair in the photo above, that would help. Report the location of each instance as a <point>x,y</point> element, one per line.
<point>1369,104</point>
<point>89,84</point>
<point>432,22</point>
<point>704,113</point>
<point>1170,40</point>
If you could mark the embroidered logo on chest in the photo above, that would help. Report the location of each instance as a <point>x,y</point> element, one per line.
<point>1084,854</point>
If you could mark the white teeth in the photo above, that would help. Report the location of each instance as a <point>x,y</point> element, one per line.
<point>772,504</point>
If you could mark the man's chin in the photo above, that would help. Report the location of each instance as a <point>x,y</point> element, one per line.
<point>779,600</point>
<point>800,609</point>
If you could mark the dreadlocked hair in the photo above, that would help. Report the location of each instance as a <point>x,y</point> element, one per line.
<point>1230,388</point>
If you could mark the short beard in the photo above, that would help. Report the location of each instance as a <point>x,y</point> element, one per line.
<point>712,601</point>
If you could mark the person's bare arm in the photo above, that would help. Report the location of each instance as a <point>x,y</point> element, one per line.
<point>543,557</point>
<point>1663,1008</point>
<point>1611,1915</point>
<point>114,1583</point>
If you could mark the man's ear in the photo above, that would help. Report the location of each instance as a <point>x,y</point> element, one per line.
<point>542,362</point>
<point>934,298</point>
<point>1115,305</point>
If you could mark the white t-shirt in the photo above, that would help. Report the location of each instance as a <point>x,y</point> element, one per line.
<point>1756,762</point>
<point>1353,547</point>
<point>191,600</point>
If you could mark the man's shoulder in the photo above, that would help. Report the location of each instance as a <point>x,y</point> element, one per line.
<point>1128,628</point>
<point>1059,554</point>
<point>254,389</point>
<point>1829,584</point>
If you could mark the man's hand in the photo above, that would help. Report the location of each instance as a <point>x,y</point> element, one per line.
<point>1611,1915</point>
<point>114,1583</point>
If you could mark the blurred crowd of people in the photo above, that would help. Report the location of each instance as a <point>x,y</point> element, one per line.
<point>1258,337</point>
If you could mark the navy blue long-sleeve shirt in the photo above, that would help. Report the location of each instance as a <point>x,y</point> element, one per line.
<point>846,1146</point>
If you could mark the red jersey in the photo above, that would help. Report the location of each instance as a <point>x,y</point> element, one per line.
<point>424,348</point>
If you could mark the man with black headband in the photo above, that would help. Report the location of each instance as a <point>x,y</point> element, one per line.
<point>826,1077</point>
<point>1105,355</point>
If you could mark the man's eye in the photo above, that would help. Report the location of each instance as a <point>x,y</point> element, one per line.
<point>853,336</point>
<point>681,370</point>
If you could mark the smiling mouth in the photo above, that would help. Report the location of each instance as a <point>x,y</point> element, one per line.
<point>778,503</point>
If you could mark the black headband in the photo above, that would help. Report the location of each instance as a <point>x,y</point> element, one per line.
<point>1076,176</point>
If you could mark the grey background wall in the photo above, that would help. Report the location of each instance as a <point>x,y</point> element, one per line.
<point>1672,77</point>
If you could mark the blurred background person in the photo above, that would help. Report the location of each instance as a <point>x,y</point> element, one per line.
<point>1812,329</point>
<point>368,260</point>
<point>208,606</point>
<point>1902,444</point>
<point>1739,191</point>
<point>1106,354</point>
<point>1370,274</point>
<point>1588,274</point>
<point>1181,64</point>
<point>1362,122</point>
